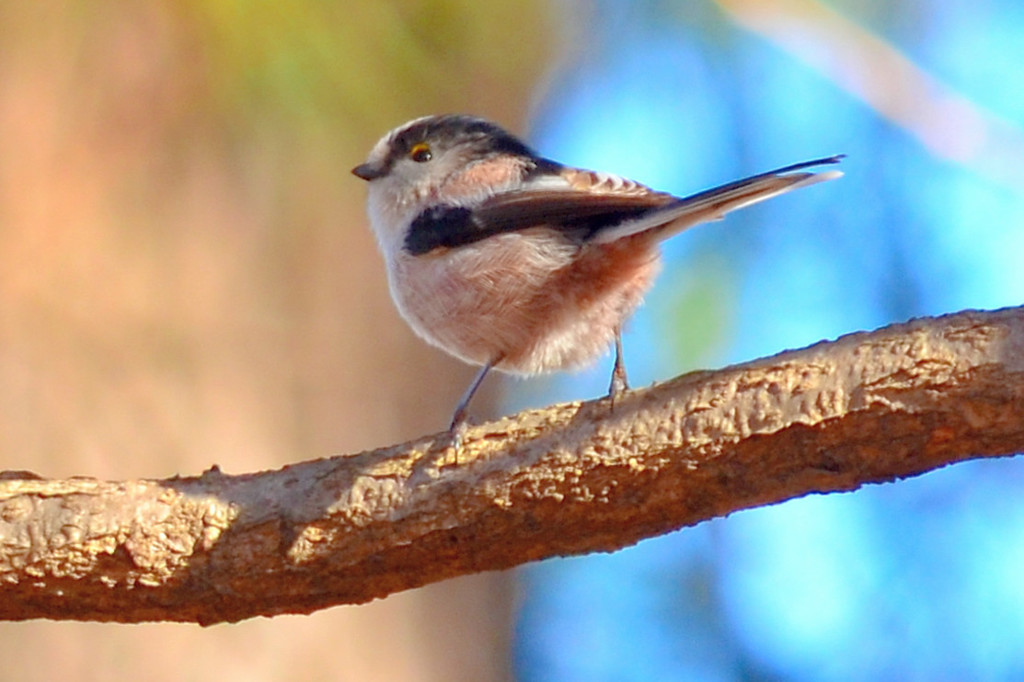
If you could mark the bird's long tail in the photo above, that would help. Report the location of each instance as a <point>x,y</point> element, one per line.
<point>713,204</point>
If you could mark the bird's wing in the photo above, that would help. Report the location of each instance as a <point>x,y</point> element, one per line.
<point>576,202</point>
<point>579,202</point>
<point>597,207</point>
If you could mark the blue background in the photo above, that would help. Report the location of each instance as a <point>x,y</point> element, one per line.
<point>920,580</point>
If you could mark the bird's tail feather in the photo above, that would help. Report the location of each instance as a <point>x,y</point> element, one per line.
<point>713,204</point>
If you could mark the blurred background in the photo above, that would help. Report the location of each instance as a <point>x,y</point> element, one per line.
<point>186,278</point>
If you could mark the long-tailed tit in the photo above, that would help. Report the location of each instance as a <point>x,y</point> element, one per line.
<point>511,261</point>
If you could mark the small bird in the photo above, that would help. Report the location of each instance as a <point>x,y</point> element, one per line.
<point>511,261</point>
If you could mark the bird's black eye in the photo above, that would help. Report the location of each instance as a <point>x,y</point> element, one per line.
<point>420,152</point>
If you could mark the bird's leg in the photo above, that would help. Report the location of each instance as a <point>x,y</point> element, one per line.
<point>619,382</point>
<point>459,418</point>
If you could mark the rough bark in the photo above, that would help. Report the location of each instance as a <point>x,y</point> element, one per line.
<point>568,479</point>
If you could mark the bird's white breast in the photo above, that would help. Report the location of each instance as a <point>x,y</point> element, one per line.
<point>530,297</point>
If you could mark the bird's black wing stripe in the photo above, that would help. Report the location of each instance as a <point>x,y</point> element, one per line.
<point>575,214</point>
<point>441,226</point>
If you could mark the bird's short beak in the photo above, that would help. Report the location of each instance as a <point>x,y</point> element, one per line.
<point>367,171</point>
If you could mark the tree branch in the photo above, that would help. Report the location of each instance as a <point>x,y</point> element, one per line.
<point>569,479</point>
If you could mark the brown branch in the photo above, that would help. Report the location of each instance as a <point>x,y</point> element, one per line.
<point>568,479</point>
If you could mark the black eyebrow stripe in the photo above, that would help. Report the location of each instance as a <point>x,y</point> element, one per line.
<point>485,137</point>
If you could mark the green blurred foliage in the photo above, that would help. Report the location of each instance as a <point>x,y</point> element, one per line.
<point>313,62</point>
<point>696,310</point>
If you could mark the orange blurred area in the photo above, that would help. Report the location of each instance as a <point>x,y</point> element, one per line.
<point>186,278</point>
